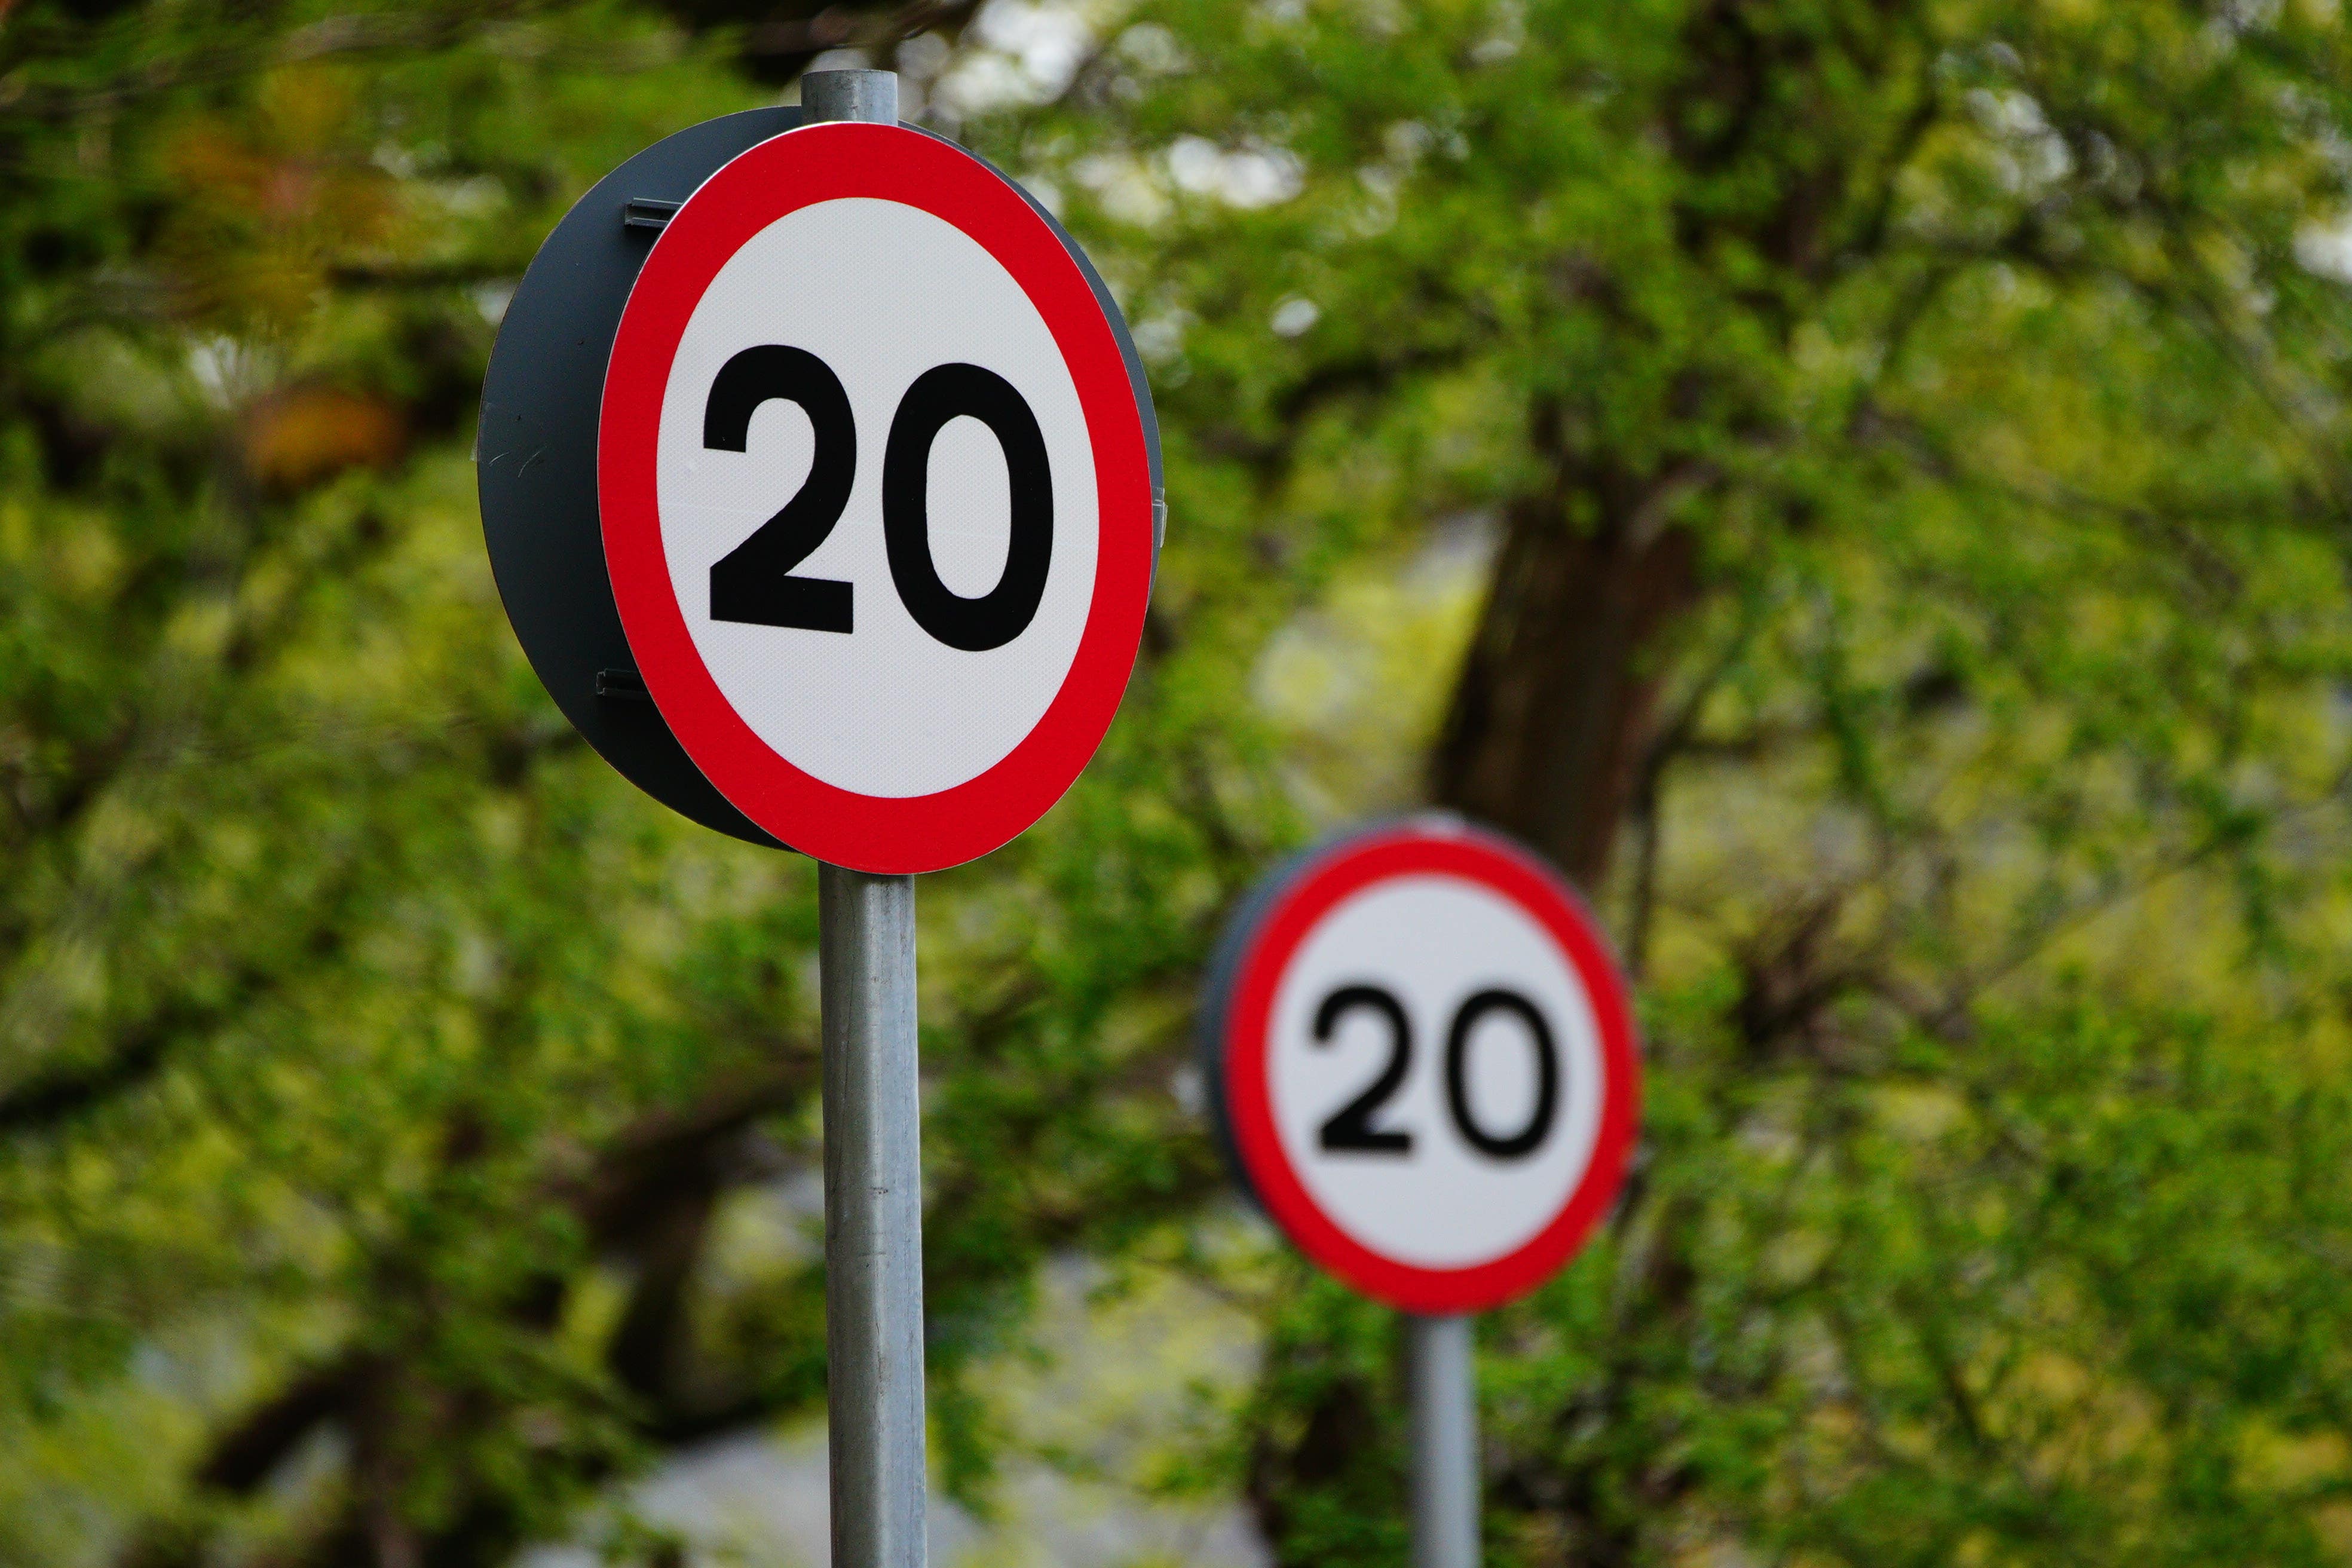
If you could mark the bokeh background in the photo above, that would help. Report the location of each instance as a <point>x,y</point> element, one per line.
<point>1867,484</point>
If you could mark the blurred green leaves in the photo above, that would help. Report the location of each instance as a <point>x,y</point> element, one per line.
<point>406,1127</point>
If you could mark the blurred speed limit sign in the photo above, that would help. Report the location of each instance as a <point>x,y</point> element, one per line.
<point>874,470</point>
<point>1424,1063</point>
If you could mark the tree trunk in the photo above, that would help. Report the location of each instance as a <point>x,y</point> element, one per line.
<point>1556,699</point>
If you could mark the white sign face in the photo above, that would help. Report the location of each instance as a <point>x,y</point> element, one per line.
<point>1399,1170</point>
<point>879,292</point>
<point>876,488</point>
<point>1427,1066</point>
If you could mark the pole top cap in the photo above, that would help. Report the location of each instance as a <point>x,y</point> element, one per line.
<point>864,95</point>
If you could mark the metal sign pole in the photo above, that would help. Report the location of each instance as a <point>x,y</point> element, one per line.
<point>873,1219</point>
<point>1444,1420</point>
<point>873,1143</point>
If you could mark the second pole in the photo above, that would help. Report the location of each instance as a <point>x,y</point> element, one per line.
<point>873,1144</point>
<point>1443,1403</point>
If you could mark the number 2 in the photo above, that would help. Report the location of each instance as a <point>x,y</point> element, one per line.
<point>753,582</point>
<point>1351,1131</point>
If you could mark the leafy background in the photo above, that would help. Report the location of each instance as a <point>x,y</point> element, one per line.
<point>1861,484</point>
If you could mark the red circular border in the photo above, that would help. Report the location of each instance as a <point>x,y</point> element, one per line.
<point>870,833</point>
<point>1417,849</point>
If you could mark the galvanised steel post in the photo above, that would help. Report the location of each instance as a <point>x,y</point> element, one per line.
<point>873,1143</point>
<point>1444,1436</point>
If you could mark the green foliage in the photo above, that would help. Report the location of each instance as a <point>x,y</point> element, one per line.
<point>1984,832</point>
<point>401,1117</point>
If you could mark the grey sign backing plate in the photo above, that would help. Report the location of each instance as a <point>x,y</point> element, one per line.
<point>536,458</point>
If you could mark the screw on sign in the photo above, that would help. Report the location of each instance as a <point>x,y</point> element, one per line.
<point>1424,1067</point>
<point>820,479</point>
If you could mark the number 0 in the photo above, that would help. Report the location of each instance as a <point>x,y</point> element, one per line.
<point>955,391</point>
<point>1521,1144</point>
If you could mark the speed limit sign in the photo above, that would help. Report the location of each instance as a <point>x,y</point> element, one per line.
<point>1424,1063</point>
<point>821,484</point>
<point>876,496</point>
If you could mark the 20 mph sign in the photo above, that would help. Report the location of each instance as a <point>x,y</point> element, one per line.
<point>874,473</point>
<point>1424,1063</point>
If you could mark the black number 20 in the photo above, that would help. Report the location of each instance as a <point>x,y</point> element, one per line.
<point>1350,1129</point>
<point>753,582</point>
